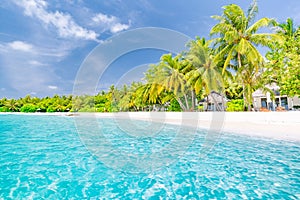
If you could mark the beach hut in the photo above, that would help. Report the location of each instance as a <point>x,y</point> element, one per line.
<point>263,100</point>
<point>214,102</point>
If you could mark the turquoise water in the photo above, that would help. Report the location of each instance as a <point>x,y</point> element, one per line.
<point>42,157</point>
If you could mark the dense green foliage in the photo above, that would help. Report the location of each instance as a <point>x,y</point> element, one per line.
<point>237,41</point>
<point>284,60</point>
<point>235,105</point>
<point>229,64</point>
<point>57,103</point>
<point>28,108</point>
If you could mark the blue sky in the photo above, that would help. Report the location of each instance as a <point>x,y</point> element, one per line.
<point>43,43</point>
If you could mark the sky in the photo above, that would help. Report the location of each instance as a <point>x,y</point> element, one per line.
<point>44,43</point>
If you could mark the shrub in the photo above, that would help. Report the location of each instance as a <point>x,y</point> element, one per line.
<point>4,109</point>
<point>201,108</point>
<point>87,108</point>
<point>28,108</point>
<point>50,109</point>
<point>235,105</point>
<point>174,106</point>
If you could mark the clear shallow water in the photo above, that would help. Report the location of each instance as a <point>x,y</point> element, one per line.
<point>43,157</point>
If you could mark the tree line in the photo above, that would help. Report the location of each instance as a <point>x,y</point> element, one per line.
<point>228,63</point>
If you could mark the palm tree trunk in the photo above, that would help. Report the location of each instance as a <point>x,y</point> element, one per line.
<point>206,103</point>
<point>193,100</point>
<point>186,102</point>
<point>223,102</point>
<point>249,98</point>
<point>240,66</point>
<point>181,104</point>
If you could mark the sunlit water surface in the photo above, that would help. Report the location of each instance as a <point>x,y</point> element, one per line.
<point>43,157</point>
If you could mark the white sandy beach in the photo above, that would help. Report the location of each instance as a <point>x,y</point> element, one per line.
<point>277,125</point>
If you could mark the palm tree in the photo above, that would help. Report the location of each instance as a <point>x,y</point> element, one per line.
<point>150,93</point>
<point>12,105</point>
<point>113,97</point>
<point>173,78</point>
<point>232,89</point>
<point>238,37</point>
<point>153,92</point>
<point>205,74</point>
<point>288,29</point>
<point>168,76</point>
<point>130,99</point>
<point>2,102</point>
<point>77,103</point>
<point>251,80</point>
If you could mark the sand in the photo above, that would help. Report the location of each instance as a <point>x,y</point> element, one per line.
<point>276,125</point>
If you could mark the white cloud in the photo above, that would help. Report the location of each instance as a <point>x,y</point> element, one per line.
<point>36,63</point>
<point>110,23</point>
<point>118,27</point>
<point>63,22</point>
<point>101,18</point>
<point>21,46</point>
<point>52,87</point>
<point>23,60</point>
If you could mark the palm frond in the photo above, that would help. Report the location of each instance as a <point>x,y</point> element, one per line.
<point>266,39</point>
<point>217,17</point>
<point>263,22</point>
<point>252,11</point>
<point>221,28</point>
<point>235,16</point>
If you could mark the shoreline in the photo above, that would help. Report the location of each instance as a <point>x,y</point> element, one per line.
<point>275,125</point>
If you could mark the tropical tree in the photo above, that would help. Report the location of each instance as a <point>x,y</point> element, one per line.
<point>284,62</point>
<point>112,97</point>
<point>169,77</point>
<point>205,74</point>
<point>250,78</point>
<point>149,94</point>
<point>12,105</point>
<point>28,108</point>
<point>238,37</point>
<point>103,101</point>
<point>172,78</point>
<point>233,90</point>
<point>43,104</point>
<point>154,91</point>
<point>130,99</point>
<point>77,103</point>
<point>2,102</point>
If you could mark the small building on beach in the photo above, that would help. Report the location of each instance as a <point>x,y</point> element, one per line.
<point>214,102</point>
<point>263,100</point>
